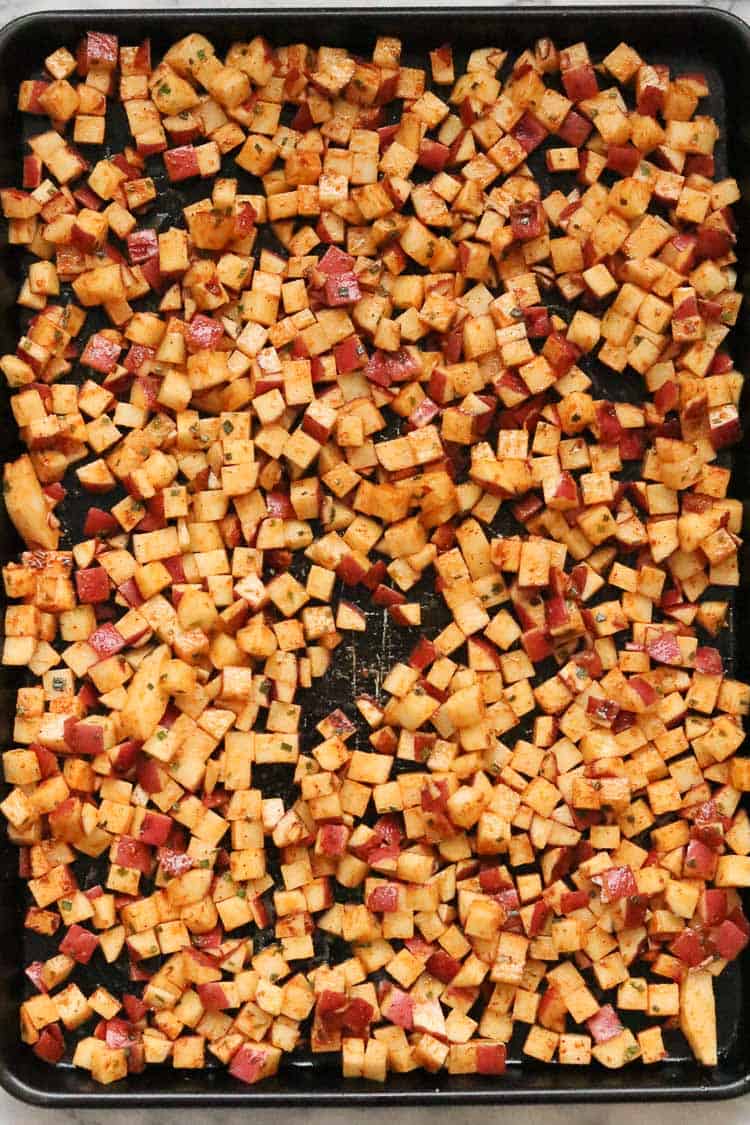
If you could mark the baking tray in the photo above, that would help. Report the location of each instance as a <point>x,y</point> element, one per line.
<point>688,39</point>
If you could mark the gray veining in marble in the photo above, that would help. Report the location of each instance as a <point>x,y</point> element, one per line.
<point>718,1113</point>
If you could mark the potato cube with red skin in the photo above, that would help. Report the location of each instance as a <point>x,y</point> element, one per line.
<point>92,585</point>
<point>255,1061</point>
<point>80,944</point>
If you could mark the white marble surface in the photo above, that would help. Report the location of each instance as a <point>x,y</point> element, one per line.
<point>718,1113</point>
<point>735,1112</point>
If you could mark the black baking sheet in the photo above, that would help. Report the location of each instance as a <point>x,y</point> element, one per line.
<point>688,39</point>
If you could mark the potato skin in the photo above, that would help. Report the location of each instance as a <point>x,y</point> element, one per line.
<point>26,505</point>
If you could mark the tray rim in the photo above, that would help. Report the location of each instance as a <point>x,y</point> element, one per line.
<point>369,1095</point>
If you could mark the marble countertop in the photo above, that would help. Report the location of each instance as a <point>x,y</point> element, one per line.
<point>735,1112</point>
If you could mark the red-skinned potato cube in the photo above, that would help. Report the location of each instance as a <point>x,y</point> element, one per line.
<point>539,916</point>
<point>575,129</point>
<point>573,900</point>
<point>351,355</point>
<point>29,94</point>
<point>142,245</point>
<point>32,172</point>
<point>138,354</point>
<point>47,761</point>
<point>398,1007</point>
<point>135,1009</point>
<point>84,738</point>
<point>150,775</point>
<point>433,155</point>
<point>724,425</point>
<point>181,163</point>
<point>342,289</point>
<point>386,596</point>
<point>249,1063</point>
<point>580,82</point>
<point>213,997</point>
<point>119,1033</point>
<point>106,641</point>
<point>92,585</point>
<point>98,50</point>
<point>182,132</point>
<point>133,854</point>
<point>529,132</point>
<point>424,414</point>
<point>729,940</point>
<point>700,861</point>
<point>536,644</point>
<point>335,262</point>
<point>204,333</point>
<point>526,220</point>
<point>99,522</point>
<point>617,883</point>
<point>443,966</point>
<point>101,354</point>
<point>80,944</point>
<point>332,839</point>
<point>383,898</point>
<point>50,1046</point>
<point>88,198</point>
<point>623,159</point>
<point>151,142</point>
<point>423,654</point>
<point>688,947</point>
<point>244,220</point>
<point>125,756</point>
<point>712,906</point>
<point>712,242</point>
<point>357,1016</point>
<point>664,649</point>
<point>605,1024</point>
<point>154,829</point>
<point>538,323</point>
<point>650,87</point>
<point>491,1058</point>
